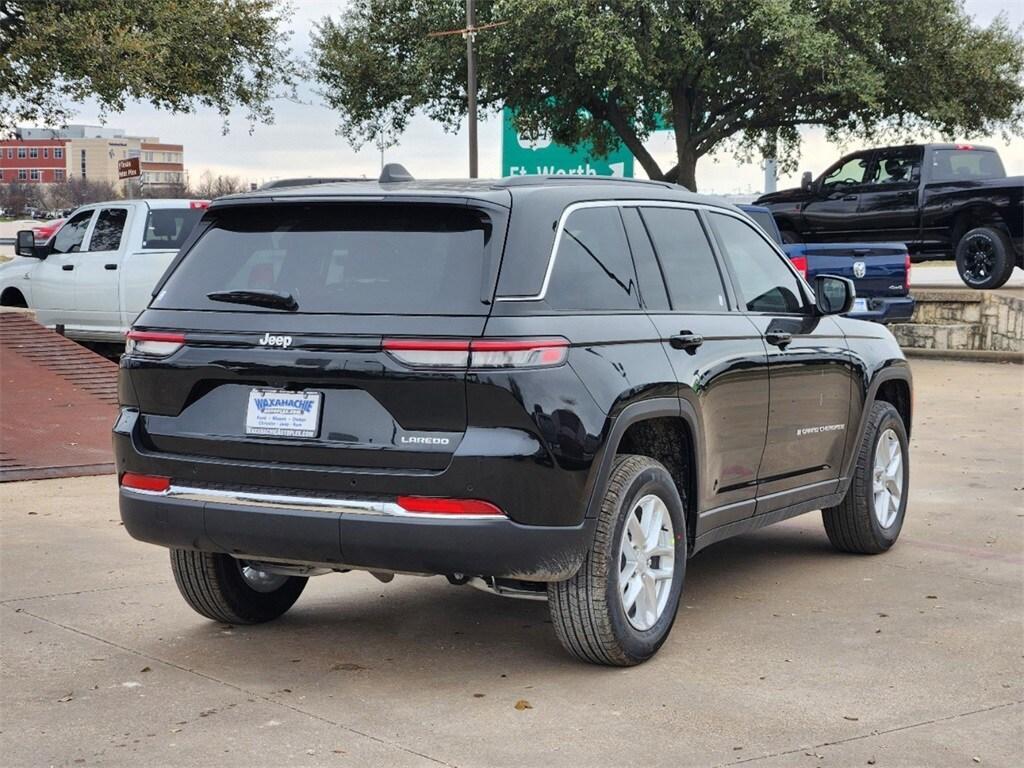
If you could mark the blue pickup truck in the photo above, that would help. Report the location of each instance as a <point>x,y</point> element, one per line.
<point>880,271</point>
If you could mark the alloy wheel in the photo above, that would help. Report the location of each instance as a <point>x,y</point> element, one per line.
<point>887,478</point>
<point>646,562</point>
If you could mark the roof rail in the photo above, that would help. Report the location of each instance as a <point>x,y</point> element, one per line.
<point>528,180</point>
<point>393,172</point>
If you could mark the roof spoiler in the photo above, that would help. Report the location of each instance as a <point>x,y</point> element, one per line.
<point>393,172</point>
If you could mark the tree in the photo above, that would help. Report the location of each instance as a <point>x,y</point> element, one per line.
<point>742,73</point>
<point>211,186</point>
<point>176,54</point>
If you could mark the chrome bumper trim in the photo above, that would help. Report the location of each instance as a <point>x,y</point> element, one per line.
<point>344,506</point>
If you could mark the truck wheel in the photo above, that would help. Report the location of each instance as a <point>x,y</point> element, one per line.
<point>985,258</point>
<point>619,607</point>
<point>225,589</point>
<point>869,519</point>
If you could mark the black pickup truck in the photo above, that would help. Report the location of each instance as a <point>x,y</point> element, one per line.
<point>942,200</point>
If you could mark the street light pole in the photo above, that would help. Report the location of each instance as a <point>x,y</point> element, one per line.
<point>471,85</point>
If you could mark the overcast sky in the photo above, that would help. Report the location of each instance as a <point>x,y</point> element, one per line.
<point>302,140</point>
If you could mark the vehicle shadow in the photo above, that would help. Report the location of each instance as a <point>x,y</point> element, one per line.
<point>351,625</point>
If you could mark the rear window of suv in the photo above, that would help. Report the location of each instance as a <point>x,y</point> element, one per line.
<point>356,258</point>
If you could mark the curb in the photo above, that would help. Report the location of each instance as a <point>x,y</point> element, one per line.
<point>973,355</point>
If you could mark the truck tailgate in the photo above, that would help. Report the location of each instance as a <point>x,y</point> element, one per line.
<point>877,269</point>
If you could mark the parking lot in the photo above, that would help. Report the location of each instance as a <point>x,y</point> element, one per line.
<point>785,652</point>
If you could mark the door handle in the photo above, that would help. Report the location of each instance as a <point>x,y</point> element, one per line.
<point>779,339</point>
<point>67,267</point>
<point>110,266</point>
<point>850,197</point>
<point>686,340</point>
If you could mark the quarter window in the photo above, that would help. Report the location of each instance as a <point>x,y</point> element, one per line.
<point>898,166</point>
<point>69,238</point>
<point>106,235</point>
<point>593,268</point>
<point>766,284</point>
<point>687,261</point>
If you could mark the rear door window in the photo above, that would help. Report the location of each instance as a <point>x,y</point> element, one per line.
<point>399,258</point>
<point>593,268</point>
<point>167,228</point>
<point>106,235</point>
<point>691,273</point>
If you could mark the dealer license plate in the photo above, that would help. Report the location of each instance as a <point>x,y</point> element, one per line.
<point>279,413</point>
<point>860,305</point>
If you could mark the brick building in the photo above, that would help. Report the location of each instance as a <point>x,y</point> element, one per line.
<point>47,156</point>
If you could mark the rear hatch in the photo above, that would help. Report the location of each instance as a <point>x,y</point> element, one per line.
<point>293,318</point>
<point>877,269</point>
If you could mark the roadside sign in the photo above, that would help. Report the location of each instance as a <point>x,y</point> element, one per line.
<point>128,169</point>
<point>521,157</point>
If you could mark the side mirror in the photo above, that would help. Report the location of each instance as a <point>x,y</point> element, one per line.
<point>833,295</point>
<point>806,181</point>
<point>26,245</point>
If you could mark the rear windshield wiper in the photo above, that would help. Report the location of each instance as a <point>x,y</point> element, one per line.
<point>270,299</point>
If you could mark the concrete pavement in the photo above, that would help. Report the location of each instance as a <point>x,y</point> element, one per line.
<point>785,653</point>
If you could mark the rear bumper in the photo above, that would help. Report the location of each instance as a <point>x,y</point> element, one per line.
<point>898,309</point>
<point>353,533</point>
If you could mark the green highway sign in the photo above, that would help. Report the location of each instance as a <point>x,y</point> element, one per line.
<point>520,157</point>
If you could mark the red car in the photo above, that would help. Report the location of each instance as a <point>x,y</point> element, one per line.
<point>45,231</point>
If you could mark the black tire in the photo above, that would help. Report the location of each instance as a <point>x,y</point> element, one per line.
<point>586,610</point>
<point>853,526</point>
<point>789,236</point>
<point>212,583</point>
<point>985,258</point>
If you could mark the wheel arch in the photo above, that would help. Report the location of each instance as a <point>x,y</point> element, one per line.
<point>666,429</point>
<point>13,297</point>
<point>976,215</point>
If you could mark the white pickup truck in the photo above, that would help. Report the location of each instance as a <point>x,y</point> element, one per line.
<point>96,273</point>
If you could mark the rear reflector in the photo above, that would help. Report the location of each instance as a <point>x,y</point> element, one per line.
<point>151,483</point>
<point>433,506</point>
<point>800,262</point>
<point>153,343</point>
<point>479,353</point>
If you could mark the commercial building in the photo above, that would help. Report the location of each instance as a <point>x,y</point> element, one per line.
<point>48,155</point>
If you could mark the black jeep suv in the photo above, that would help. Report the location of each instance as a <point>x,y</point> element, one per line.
<point>561,387</point>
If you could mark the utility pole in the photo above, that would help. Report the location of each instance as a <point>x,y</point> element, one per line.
<point>471,85</point>
<point>470,34</point>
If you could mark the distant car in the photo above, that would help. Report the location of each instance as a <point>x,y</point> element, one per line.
<point>45,231</point>
<point>880,271</point>
<point>96,273</point>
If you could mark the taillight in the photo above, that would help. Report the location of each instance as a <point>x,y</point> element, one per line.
<point>517,353</point>
<point>478,353</point>
<point>148,483</point>
<point>800,262</point>
<point>906,273</point>
<point>965,146</point>
<point>153,343</point>
<point>429,353</point>
<point>199,204</point>
<point>427,505</point>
